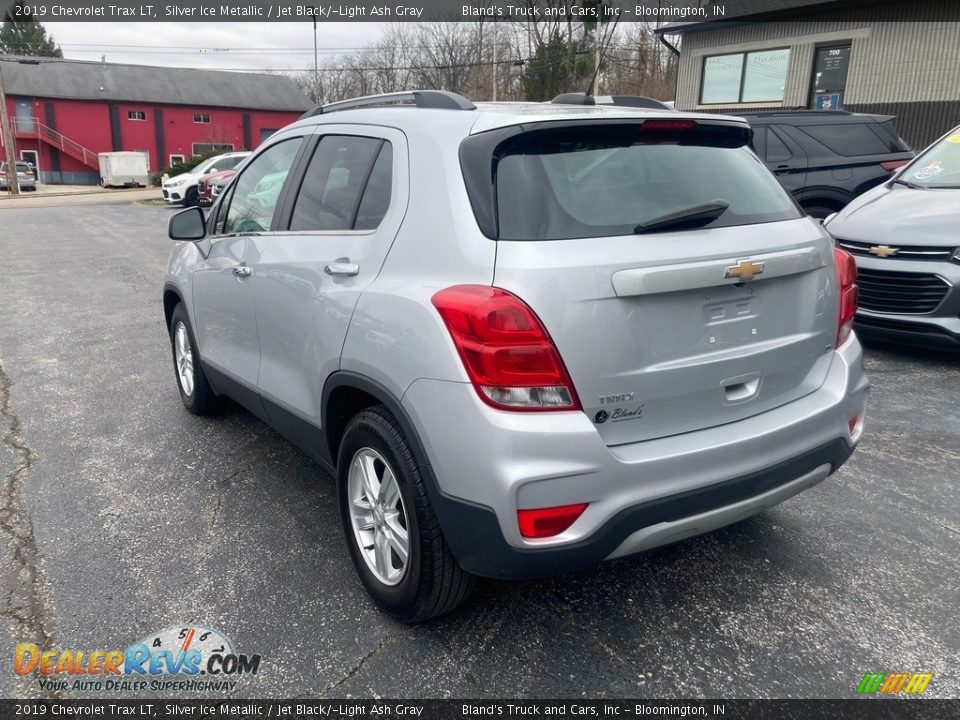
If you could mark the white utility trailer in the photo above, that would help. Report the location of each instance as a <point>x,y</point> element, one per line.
<point>124,168</point>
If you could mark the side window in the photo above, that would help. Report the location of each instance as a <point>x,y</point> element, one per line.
<point>223,164</point>
<point>334,183</point>
<point>777,151</point>
<point>257,189</point>
<point>376,196</point>
<point>229,163</point>
<point>849,139</point>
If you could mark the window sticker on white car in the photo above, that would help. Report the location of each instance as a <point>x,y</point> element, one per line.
<point>931,170</point>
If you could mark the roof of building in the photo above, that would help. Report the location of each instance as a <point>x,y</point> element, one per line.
<point>86,80</point>
<point>761,10</point>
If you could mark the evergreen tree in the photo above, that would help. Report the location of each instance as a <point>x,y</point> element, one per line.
<point>557,66</point>
<point>24,36</point>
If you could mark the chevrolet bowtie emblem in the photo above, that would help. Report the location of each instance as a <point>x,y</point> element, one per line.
<point>883,250</point>
<point>744,269</point>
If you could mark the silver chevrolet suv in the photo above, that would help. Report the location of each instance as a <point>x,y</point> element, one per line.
<point>526,338</point>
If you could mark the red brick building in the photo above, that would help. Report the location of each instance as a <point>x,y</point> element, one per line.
<point>64,112</point>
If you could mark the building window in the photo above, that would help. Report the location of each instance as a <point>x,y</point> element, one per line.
<point>752,77</point>
<point>201,118</point>
<point>202,148</point>
<point>136,115</point>
<point>175,159</point>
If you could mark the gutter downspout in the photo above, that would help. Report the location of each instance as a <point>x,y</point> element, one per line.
<point>665,42</point>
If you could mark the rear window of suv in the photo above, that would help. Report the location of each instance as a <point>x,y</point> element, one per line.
<point>605,180</point>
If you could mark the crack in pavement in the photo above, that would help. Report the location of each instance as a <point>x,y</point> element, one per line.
<point>358,666</point>
<point>26,609</point>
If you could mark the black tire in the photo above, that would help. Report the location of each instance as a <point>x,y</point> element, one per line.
<point>202,400</point>
<point>819,212</point>
<point>433,583</point>
<point>191,198</point>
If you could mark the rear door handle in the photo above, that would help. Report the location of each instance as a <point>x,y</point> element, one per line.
<point>342,268</point>
<point>781,169</point>
<point>242,271</point>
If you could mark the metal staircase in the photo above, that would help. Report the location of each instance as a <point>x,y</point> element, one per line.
<point>30,127</point>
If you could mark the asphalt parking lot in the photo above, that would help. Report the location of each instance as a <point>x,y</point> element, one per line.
<point>122,514</point>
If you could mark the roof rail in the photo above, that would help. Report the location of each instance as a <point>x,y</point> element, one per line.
<point>574,99</point>
<point>639,101</point>
<point>431,99</point>
<point>635,101</point>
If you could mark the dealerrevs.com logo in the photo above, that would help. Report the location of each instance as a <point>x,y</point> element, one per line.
<point>186,658</point>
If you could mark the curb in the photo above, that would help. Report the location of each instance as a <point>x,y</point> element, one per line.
<point>22,196</point>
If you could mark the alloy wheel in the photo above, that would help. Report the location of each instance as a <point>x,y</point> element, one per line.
<point>378,516</point>
<point>183,355</point>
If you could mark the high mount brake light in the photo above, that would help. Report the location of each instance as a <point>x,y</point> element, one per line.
<point>506,351</point>
<point>658,124</point>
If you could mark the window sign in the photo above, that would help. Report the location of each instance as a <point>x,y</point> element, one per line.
<point>721,79</point>
<point>759,76</point>
<point>765,75</point>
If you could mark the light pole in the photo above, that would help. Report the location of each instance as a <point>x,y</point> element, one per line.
<point>12,182</point>
<point>316,69</point>
<point>494,59</point>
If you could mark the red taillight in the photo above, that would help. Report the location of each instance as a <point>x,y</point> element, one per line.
<point>547,522</point>
<point>849,293</point>
<point>891,165</point>
<point>507,353</point>
<point>663,124</point>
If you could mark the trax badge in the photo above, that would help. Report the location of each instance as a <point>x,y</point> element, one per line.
<point>883,251</point>
<point>744,269</point>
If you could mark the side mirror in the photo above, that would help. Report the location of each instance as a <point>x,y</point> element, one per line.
<point>189,224</point>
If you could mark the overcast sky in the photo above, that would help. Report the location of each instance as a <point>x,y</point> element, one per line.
<point>277,46</point>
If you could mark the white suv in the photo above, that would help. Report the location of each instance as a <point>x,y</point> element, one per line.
<point>526,338</point>
<point>182,189</point>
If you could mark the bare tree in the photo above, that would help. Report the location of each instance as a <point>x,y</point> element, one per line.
<point>459,57</point>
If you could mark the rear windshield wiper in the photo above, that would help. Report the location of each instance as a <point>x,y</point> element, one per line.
<point>912,186</point>
<point>691,217</point>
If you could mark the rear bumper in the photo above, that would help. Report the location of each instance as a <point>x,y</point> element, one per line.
<point>474,535</point>
<point>488,463</point>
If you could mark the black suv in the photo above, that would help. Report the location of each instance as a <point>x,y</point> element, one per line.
<point>825,158</point>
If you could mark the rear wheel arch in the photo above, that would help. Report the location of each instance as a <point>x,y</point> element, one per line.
<point>345,394</point>
<point>344,384</point>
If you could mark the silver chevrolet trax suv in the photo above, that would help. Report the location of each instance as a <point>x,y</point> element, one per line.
<point>526,338</point>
